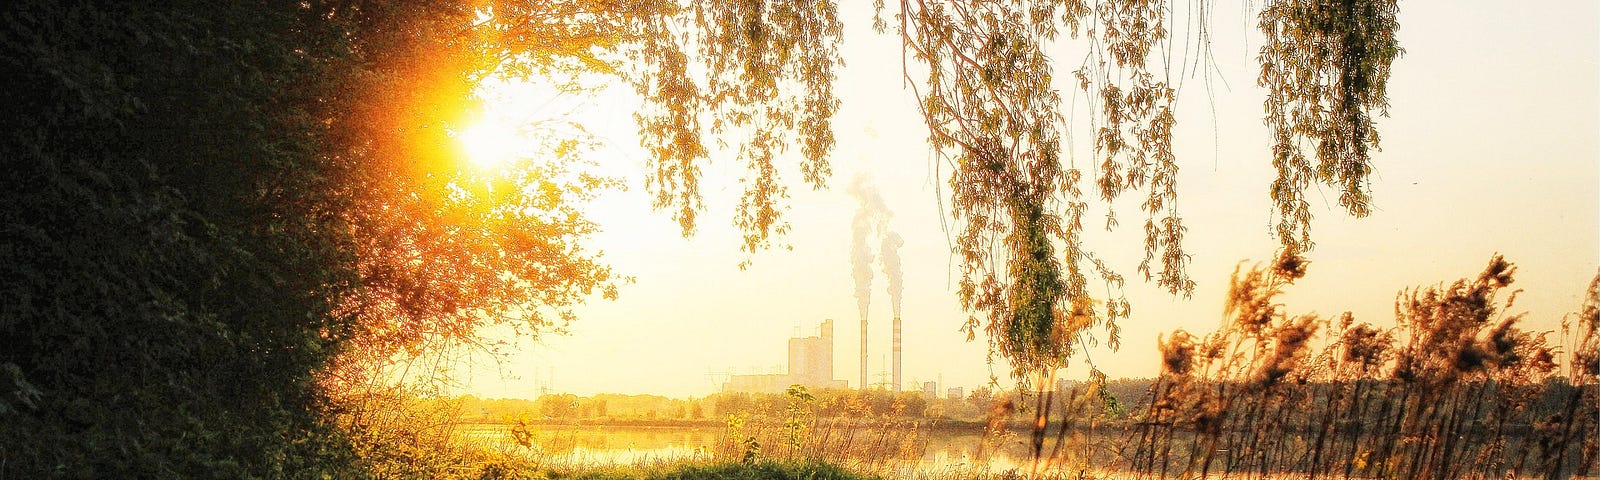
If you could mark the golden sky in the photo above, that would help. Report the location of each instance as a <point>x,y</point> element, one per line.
<point>1492,145</point>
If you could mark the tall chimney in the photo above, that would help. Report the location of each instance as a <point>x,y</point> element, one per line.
<point>863,352</point>
<point>897,384</point>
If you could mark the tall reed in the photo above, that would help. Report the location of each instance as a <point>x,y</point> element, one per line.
<point>1455,390</point>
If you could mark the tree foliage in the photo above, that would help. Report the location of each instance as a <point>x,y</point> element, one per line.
<point>218,218</point>
<point>1325,66</point>
<point>444,250</point>
<point>986,79</point>
<point>169,281</point>
<point>993,111</point>
<point>756,77</point>
<point>986,82</point>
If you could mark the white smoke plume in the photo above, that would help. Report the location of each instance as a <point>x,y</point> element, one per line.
<point>891,268</point>
<point>871,215</point>
<point>861,260</point>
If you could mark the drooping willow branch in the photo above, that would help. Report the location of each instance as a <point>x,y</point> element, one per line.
<point>760,75</point>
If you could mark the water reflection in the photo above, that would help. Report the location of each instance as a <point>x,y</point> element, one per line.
<point>589,445</point>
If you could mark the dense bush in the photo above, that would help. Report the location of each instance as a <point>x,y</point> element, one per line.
<point>166,307</point>
<point>220,217</point>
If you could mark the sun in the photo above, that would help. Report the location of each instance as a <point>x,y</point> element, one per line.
<point>491,143</point>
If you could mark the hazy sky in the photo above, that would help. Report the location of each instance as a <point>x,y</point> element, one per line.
<point>1491,146</point>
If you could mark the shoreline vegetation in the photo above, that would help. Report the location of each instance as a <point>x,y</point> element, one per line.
<point>1094,444</point>
<point>1454,390</point>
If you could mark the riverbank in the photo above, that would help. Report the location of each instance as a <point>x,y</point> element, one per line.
<point>696,470</point>
<point>951,425</point>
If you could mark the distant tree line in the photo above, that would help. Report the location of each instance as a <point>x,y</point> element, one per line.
<point>714,409</point>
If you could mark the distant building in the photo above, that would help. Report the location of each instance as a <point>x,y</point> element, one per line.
<point>930,389</point>
<point>810,364</point>
<point>954,393</point>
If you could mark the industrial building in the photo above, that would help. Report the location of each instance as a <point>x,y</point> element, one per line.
<point>810,364</point>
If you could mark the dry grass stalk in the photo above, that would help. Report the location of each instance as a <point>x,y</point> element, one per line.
<point>1456,390</point>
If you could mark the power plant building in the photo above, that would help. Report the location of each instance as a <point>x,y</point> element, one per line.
<point>810,364</point>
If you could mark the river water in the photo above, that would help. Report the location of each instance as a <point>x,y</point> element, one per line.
<point>895,449</point>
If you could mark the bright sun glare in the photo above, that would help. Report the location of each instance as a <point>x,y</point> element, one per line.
<point>491,143</point>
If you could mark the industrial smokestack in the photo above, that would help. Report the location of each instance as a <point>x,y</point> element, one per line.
<point>861,261</point>
<point>891,271</point>
<point>863,384</point>
<point>897,353</point>
<point>861,269</point>
<point>871,214</point>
